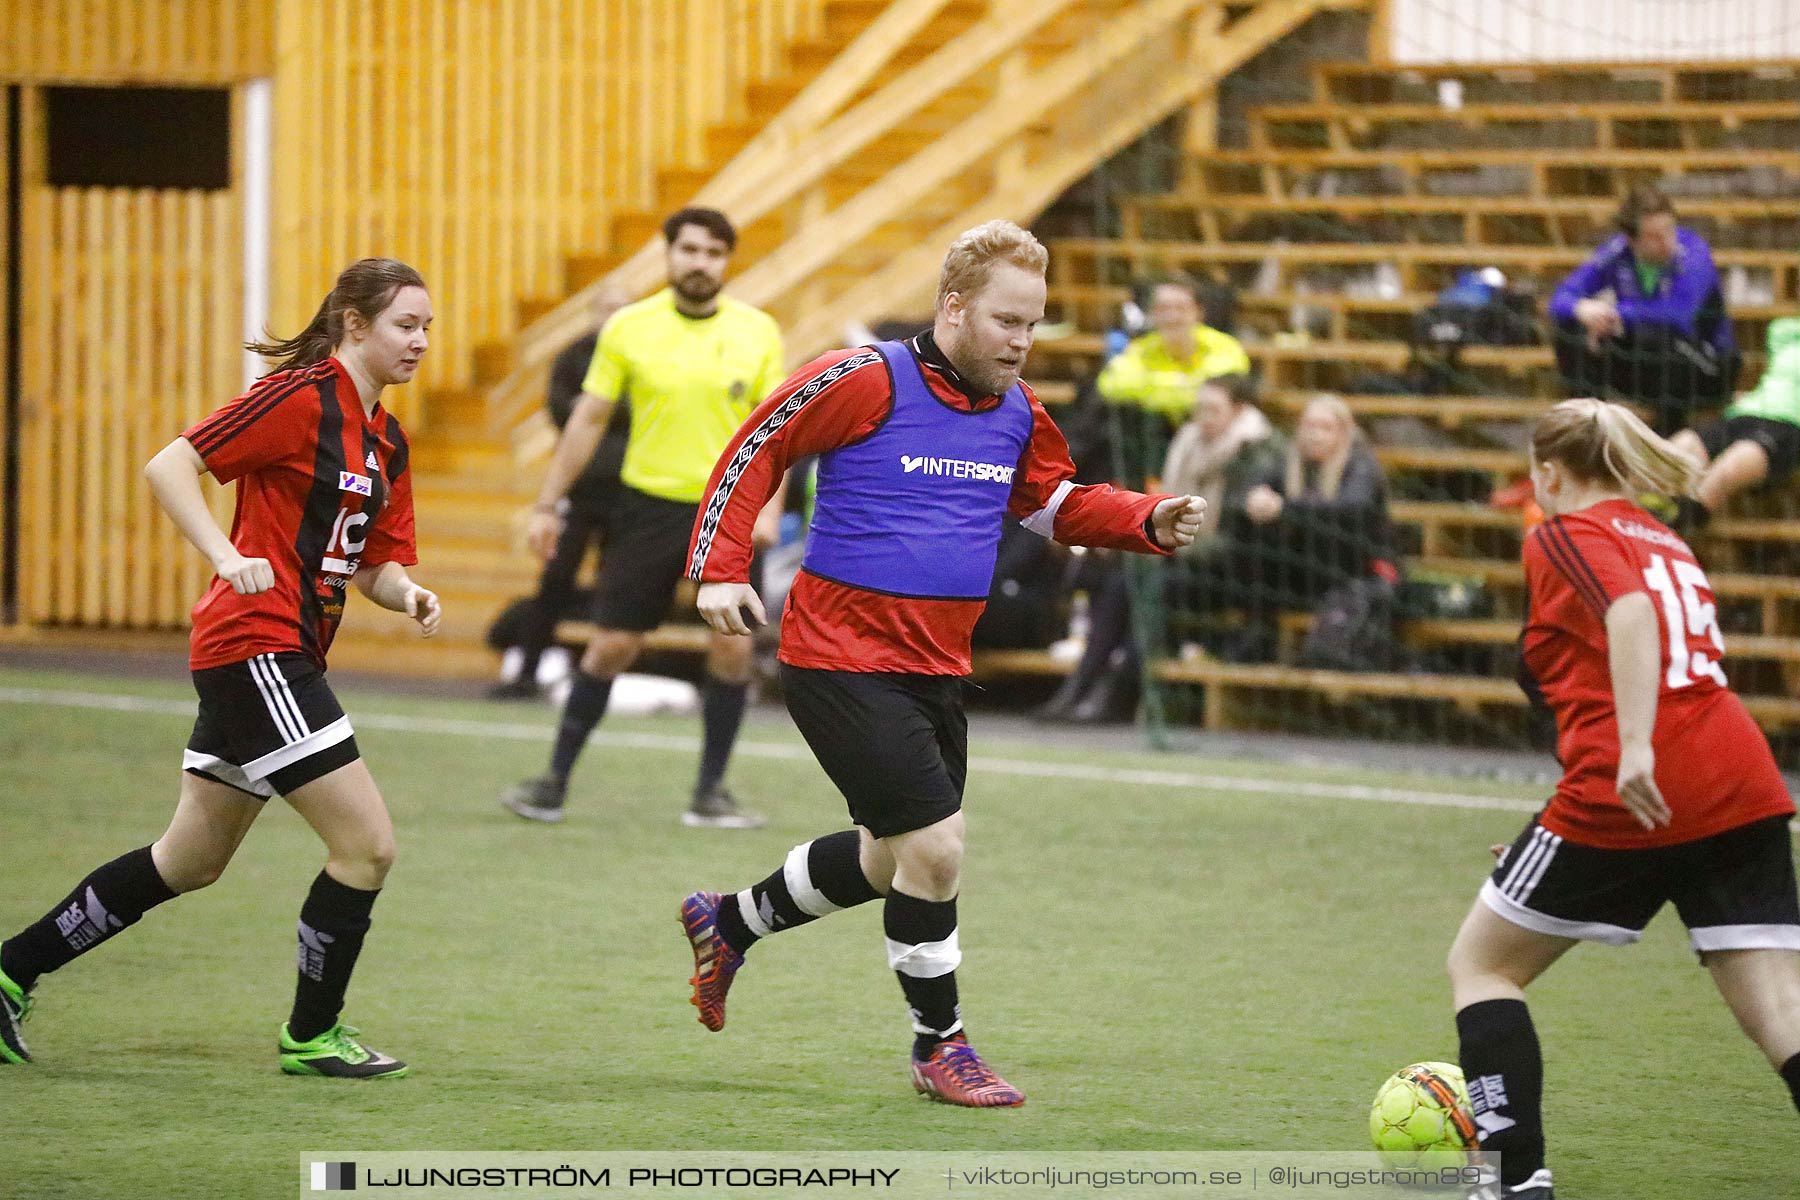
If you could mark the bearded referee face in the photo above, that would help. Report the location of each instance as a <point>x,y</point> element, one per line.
<point>697,261</point>
<point>986,335</point>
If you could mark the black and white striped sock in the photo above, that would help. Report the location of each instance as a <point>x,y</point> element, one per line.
<point>819,878</point>
<point>924,952</point>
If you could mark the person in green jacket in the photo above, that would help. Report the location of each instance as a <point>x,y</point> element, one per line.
<point>1758,439</point>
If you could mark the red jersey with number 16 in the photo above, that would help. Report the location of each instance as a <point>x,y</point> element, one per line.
<point>322,490</point>
<point>1713,764</point>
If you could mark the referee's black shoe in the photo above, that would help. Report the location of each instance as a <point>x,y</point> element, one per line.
<point>718,809</point>
<point>539,799</point>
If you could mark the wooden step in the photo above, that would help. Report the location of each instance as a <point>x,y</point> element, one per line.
<point>584,268</point>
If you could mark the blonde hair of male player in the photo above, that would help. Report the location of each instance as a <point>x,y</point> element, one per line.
<point>971,257</point>
<point>1606,443</point>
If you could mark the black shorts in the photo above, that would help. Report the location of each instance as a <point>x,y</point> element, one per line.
<point>1734,890</point>
<point>1779,440</point>
<point>268,725</point>
<point>642,560</point>
<point>897,746</point>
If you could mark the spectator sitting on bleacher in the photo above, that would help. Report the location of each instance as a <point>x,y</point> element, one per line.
<point>1220,452</point>
<point>1644,319</point>
<point>1319,521</point>
<point>1758,439</point>
<point>1159,373</point>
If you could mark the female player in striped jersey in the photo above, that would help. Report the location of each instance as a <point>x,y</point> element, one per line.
<point>324,498</point>
<point>1669,792</point>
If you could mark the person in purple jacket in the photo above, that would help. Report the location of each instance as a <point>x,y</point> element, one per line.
<point>1644,319</point>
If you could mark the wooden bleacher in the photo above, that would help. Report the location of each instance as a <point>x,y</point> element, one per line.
<point>1376,173</point>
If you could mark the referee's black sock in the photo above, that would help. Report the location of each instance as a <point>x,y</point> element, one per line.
<point>722,706</point>
<point>581,713</point>
<point>819,878</point>
<point>1505,1070</point>
<point>923,951</point>
<point>333,922</point>
<point>1790,1073</point>
<point>114,896</point>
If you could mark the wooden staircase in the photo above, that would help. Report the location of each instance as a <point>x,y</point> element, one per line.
<point>906,122</point>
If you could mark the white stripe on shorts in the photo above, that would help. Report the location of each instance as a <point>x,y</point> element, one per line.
<point>1744,937</point>
<point>1588,931</point>
<point>1536,873</point>
<point>282,708</point>
<point>1525,872</point>
<point>193,760</point>
<point>798,877</point>
<point>293,752</point>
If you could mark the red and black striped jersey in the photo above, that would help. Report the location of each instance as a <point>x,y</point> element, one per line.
<point>322,490</point>
<point>1713,764</point>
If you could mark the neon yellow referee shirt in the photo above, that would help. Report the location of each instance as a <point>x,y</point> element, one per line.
<point>691,382</point>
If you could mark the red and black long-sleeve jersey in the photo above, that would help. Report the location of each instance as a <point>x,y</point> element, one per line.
<point>839,399</point>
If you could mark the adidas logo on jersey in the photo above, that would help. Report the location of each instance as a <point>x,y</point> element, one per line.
<point>373,463</point>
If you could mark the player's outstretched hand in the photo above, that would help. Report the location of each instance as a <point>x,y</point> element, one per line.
<point>722,606</point>
<point>1637,786</point>
<point>1177,521</point>
<point>422,606</point>
<point>542,531</point>
<point>247,576</point>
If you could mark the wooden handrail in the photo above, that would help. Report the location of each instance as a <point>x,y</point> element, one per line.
<point>1003,118</point>
<point>794,152</point>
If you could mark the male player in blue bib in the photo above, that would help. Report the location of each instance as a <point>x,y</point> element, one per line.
<point>924,447</point>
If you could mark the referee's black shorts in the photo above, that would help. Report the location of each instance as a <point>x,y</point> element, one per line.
<point>896,746</point>
<point>642,559</point>
<point>268,726</point>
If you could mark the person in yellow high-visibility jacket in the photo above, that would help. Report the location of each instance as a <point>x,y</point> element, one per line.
<point>1162,371</point>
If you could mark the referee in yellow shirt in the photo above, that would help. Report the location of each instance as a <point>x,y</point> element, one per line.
<point>694,363</point>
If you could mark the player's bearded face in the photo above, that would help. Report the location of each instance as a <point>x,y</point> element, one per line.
<point>697,261</point>
<point>397,340</point>
<point>990,332</point>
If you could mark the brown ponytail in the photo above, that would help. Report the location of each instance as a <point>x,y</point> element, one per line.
<point>366,286</point>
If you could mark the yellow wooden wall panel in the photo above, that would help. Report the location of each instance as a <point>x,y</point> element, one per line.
<point>135,339</point>
<point>118,41</point>
<point>485,142</point>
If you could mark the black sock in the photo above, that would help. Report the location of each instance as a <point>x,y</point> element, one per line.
<point>1505,1070</point>
<point>333,921</point>
<point>583,710</point>
<point>114,896</point>
<point>1790,1072</point>
<point>819,878</point>
<point>721,714</point>
<point>922,949</point>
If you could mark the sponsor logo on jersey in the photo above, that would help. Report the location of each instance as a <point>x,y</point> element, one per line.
<point>957,468</point>
<point>1644,533</point>
<point>350,482</point>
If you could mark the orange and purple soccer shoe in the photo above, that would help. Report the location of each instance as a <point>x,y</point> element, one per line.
<point>715,963</point>
<point>955,1074</point>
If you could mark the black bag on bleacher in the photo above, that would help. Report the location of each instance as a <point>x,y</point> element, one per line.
<point>1353,629</point>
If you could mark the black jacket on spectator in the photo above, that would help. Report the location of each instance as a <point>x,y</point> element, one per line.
<point>600,480</point>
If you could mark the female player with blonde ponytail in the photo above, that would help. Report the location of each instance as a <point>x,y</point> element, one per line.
<point>1669,791</point>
